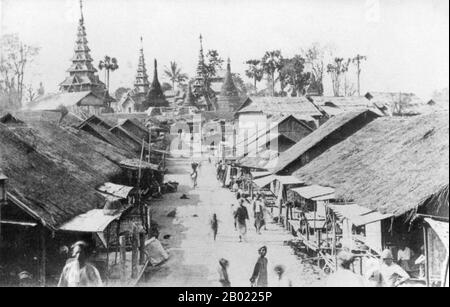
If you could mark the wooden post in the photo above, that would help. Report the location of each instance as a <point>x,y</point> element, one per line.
<point>107,253</point>
<point>123,257</point>
<point>134,254</point>
<point>427,261</point>
<point>43,260</point>
<point>141,248</point>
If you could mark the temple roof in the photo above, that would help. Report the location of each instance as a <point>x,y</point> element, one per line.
<point>82,74</point>
<point>141,83</point>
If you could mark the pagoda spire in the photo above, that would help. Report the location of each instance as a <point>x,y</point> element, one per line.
<point>82,74</point>
<point>201,60</point>
<point>228,100</point>
<point>155,97</point>
<point>141,83</point>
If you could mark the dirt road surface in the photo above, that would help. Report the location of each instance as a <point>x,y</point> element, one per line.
<point>188,237</point>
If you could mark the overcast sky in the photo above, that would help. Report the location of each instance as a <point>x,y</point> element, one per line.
<point>406,41</point>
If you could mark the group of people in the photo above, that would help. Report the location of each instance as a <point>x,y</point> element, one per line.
<point>386,274</point>
<point>259,277</point>
<point>240,214</point>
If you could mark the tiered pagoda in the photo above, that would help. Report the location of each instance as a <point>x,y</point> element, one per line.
<point>141,83</point>
<point>82,74</point>
<point>228,99</point>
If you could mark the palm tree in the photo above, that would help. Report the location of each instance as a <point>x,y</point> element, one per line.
<point>108,64</point>
<point>174,74</point>
<point>271,62</point>
<point>254,71</point>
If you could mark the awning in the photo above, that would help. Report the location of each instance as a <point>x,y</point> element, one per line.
<point>92,221</point>
<point>441,229</point>
<point>310,192</point>
<point>349,211</point>
<point>257,175</point>
<point>285,180</point>
<point>262,182</point>
<point>324,197</point>
<point>120,191</point>
<point>371,217</point>
<point>136,164</point>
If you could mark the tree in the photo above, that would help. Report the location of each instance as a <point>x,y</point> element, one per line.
<point>237,80</point>
<point>108,64</point>
<point>314,58</point>
<point>212,64</point>
<point>254,71</point>
<point>357,60</point>
<point>293,73</point>
<point>15,58</point>
<point>120,92</point>
<point>272,62</point>
<point>338,67</point>
<point>174,74</point>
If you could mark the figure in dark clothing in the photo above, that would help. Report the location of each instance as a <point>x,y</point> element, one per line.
<point>259,276</point>
<point>241,215</point>
<point>214,225</point>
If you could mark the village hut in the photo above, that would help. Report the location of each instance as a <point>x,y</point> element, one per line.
<point>397,168</point>
<point>335,130</point>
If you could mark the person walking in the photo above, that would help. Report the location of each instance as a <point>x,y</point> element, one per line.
<point>214,225</point>
<point>258,210</point>
<point>223,273</point>
<point>194,177</point>
<point>344,276</point>
<point>78,272</point>
<point>259,276</point>
<point>241,216</point>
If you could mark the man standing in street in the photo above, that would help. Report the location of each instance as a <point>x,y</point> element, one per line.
<point>259,276</point>
<point>241,216</point>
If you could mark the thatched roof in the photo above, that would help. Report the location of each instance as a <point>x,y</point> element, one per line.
<point>392,164</point>
<point>321,134</point>
<point>394,103</point>
<point>100,132</point>
<point>86,158</point>
<point>69,120</point>
<point>279,106</point>
<point>48,190</point>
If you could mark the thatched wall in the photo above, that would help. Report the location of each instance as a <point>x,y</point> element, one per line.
<point>392,164</point>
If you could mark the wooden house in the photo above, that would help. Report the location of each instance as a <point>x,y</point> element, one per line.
<point>395,170</point>
<point>335,130</point>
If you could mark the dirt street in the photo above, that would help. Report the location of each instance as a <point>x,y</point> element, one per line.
<point>188,237</point>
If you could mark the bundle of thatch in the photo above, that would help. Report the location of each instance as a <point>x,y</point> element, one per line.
<point>392,164</point>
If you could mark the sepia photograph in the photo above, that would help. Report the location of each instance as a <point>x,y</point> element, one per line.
<point>215,144</point>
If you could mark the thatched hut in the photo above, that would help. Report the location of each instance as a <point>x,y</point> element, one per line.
<point>335,130</point>
<point>397,167</point>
